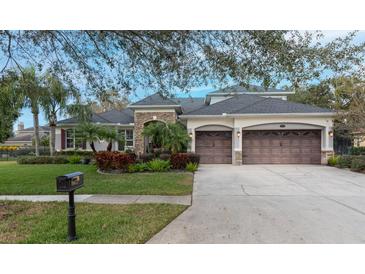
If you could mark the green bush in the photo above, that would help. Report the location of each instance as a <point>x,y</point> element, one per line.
<point>75,159</point>
<point>192,167</point>
<point>75,152</point>
<point>140,167</point>
<point>32,160</point>
<point>344,161</point>
<point>332,161</point>
<point>158,165</point>
<point>358,163</point>
<point>357,151</point>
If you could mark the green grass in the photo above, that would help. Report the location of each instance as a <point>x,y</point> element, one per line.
<point>41,179</point>
<point>27,222</point>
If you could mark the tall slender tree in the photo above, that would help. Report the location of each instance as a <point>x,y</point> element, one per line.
<point>32,90</point>
<point>53,103</point>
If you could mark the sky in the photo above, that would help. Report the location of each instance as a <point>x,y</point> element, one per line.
<point>26,115</point>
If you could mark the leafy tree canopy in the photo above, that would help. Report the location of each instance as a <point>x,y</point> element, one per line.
<point>168,61</point>
<point>11,102</point>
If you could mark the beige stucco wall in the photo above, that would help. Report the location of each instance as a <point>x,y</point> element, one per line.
<point>240,123</point>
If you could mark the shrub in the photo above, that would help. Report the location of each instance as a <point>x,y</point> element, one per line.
<point>110,160</point>
<point>332,161</point>
<point>28,160</point>
<point>158,165</point>
<point>75,159</point>
<point>139,167</point>
<point>180,160</point>
<point>344,161</point>
<point>165,156</point>
<point>144,158</point>
<point>192,167</point>
<point>23,151</point>
<point>357,151</point>
<point>358,164</point>
<point>76,152</point>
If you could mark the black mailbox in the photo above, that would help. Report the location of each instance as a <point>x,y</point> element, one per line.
<point>70,182</point>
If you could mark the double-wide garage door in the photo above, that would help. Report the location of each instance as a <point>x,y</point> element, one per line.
<point>261,147</point>
<point>214,147</point>
<point>281,147</point>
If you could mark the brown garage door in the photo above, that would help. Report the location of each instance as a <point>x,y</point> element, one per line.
<point>214,147</point>
<point>281,147</point>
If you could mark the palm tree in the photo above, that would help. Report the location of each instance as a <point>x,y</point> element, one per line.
<point>89,132</point>
<point>171,136</point>
<point>154,131</point>
<point>110,134</point>
<point>53,102</point>
<point>175,138</point>
<point>30,87</point>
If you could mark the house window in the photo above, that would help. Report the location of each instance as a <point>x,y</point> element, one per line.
<point>73,140</point>
<point>128,139</point>
<point>70,138</point>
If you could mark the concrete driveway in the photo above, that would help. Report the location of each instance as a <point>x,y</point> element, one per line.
<point>271,204</point>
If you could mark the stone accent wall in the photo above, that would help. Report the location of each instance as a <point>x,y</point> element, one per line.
<point>237,158</point>
<point>325,154</point>
<point>140,118</point>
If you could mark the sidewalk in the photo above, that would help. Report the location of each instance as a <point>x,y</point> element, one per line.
<point>103,199</point>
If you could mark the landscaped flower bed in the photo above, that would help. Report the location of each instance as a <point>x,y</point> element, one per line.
<point>119,162</point>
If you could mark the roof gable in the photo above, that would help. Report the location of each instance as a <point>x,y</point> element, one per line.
<point>155,100</point>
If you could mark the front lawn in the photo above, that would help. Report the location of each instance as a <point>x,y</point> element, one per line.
<point>27,222</point>
<point>41,179</point>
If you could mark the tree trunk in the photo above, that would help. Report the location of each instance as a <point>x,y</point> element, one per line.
<point>92,147</point>
<point>52,135</point>
<point>109,147</point>
<point>36,132</point>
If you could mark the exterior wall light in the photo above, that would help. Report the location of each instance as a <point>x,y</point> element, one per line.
<point>330,133</point>
<point>154,117</point>
<point>238,134</point>
<point>191,135</point>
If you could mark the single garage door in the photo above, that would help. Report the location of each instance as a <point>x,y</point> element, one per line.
<point>214,147</point>
<point>281,147</point>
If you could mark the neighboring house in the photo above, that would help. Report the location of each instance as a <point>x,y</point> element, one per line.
<point>24,136</point>
<point>232,125</point>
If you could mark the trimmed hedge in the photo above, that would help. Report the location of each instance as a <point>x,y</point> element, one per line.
<point>344,161</point>
<point>357,151</point>
<point>358,164</point>
<point>180,160</point>
<point>29,151</point>
<point>354,162</point>
<point>114,160</point>
<point>75,152</point>
<point>32,160</point>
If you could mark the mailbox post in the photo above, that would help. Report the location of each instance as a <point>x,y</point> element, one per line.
<point>69,183</point>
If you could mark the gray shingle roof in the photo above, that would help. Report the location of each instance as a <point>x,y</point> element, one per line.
<point>190,104</point>
<point>250,88</point>
<point>254,104</point>
<point>124,116</point>
<point>21,138</point>
<point>155,99</point>
<point>41,128</point>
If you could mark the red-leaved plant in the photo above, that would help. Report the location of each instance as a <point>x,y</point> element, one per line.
<point>112,160</point>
